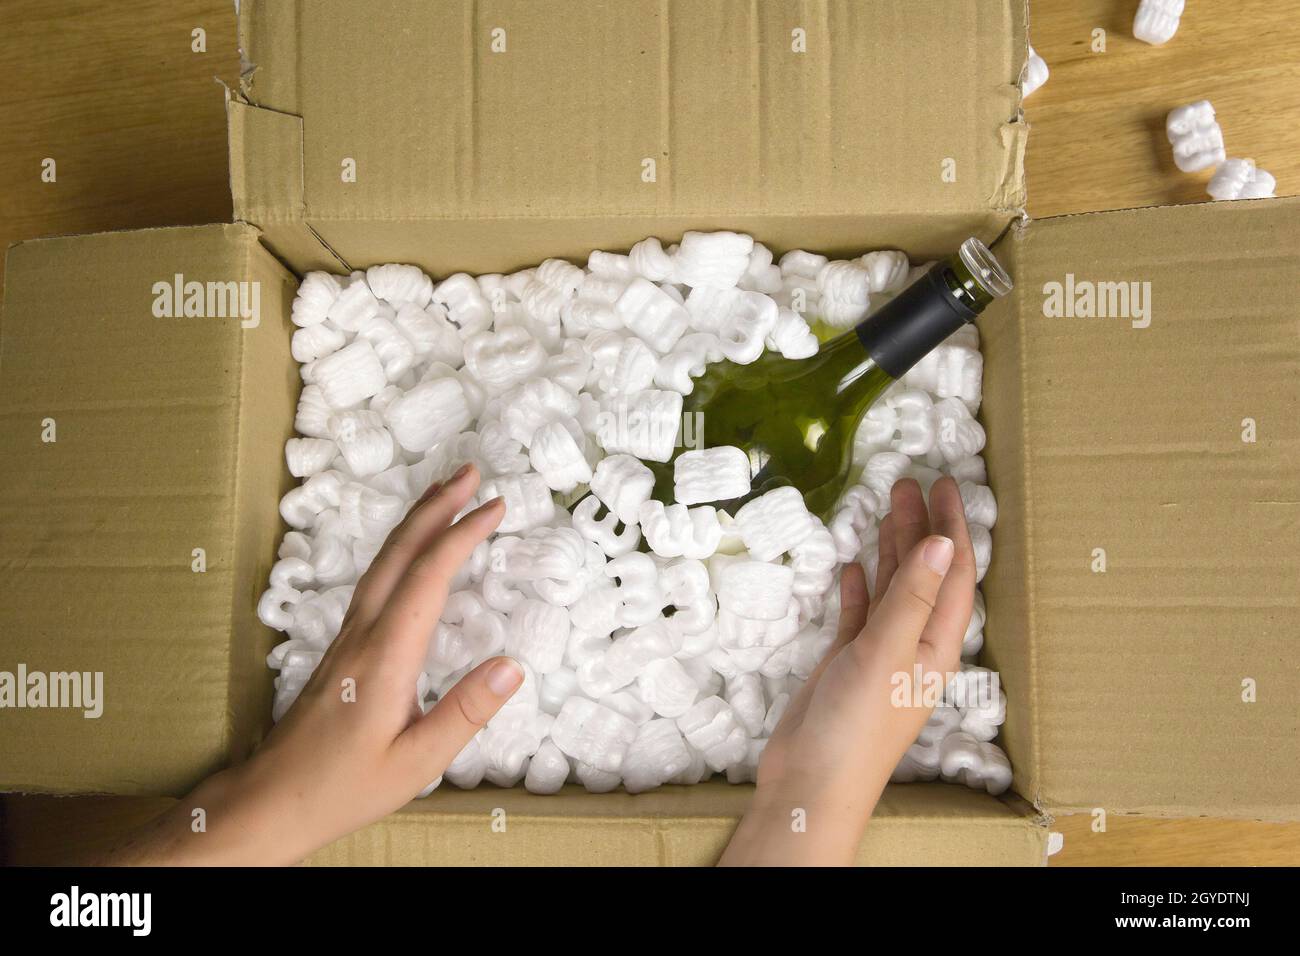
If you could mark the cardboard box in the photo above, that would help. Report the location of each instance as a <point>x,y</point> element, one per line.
<point>899,127</point>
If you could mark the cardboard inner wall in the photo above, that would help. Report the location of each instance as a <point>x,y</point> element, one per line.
<point>1126,686</point>
<point>451,136</point>
<point>170,437</point>
<point>1008,629</point>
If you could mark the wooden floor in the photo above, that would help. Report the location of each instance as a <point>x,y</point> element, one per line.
<point>135,123</point>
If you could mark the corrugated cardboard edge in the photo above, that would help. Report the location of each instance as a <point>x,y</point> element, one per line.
<point>265,162</point>
<point>262,427</point>
<point>1009,646</point>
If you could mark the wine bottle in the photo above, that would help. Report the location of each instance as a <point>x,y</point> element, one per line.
<point>796,418</point>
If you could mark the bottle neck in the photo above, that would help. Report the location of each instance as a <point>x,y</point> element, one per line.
<point>945,297</point>
<point>976,275</point>
<point>858,379</point>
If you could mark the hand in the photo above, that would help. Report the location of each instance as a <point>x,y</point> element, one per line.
<point>355,746</point>
<point>841,737</point>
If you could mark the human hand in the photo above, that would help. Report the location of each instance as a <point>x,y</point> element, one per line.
<point>841,737</point>
<point>355,745</point>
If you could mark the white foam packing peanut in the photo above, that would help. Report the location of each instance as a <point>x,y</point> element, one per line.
<point>428,413</point>
<point>711,727</point>
<point>1156,21</point>
<point>744,333</point>
<point>656,755</point>
<point>677,531</point>
<point>711,474</point>
<point>976,763</point>
<point>643,424</point>
<point>1241,179</point>
<point>845,289</point>
<point>529,502</point>
<point>1195,136</point>
<point>1036,73</point>
<point>502,359</point>
<point>717,259</point>
<point>652,314</point>
<point>773,523</point>
<point>756,590</point>
<point>593,734</point>
<point>642,667</point>
<point>349,375</point>
<point>556,453</point>
<point>538,635</point>
<point>623,484</point>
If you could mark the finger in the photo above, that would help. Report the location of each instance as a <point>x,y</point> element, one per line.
<point>905,609</point>
<point>429,515</point>
<point>411,613</point>
<point>952,609</point>
<point>888,562</point>
<point>854,603</point>
<point>433,741</point>
<point>906,524</point>
<point>911,520</point>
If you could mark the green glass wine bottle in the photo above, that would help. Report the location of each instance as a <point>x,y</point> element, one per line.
<point>796,418</point>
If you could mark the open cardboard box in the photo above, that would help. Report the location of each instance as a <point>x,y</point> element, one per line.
<point>1125,687</point>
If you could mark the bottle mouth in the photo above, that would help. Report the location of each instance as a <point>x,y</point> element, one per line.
<point>984,268</point>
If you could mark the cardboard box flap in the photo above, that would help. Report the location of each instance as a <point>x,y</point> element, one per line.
<point>265,149</point>
<point>1157,502</point>
<point>143,469</point>
<point>472,108</point>
<point>265,163</point>
<point>914,824</point>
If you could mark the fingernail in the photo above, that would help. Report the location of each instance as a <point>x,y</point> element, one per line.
<point>461,472</point>
<point>504,676</point>
<point>938,554</point>
<point>431,491</point>
<point>492,504</point>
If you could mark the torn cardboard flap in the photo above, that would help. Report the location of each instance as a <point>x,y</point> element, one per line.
<point>134,538</point>
<point>270,143</point>
<point>1148,475</point>
<point>265,163</point>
